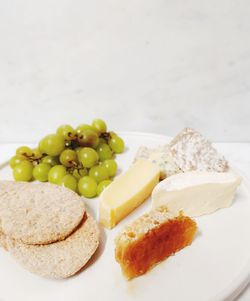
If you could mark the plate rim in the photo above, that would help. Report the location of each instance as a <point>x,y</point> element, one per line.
<point>227,294</point>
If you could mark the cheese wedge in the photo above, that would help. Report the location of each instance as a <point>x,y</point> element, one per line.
<point>196,193</point>
<point>161,157</point>
<point>127,192</point>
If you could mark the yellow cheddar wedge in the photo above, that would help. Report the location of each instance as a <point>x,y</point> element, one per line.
<point>127,192</point>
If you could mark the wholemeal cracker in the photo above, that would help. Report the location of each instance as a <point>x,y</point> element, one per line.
<point>3,240</point>
<point>60,259</point>
<point>40,213</point>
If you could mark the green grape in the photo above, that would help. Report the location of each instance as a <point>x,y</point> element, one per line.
<point>16,160</point>
<point>104,152</point>
<point>117,144</point>
<point>69,181</point>
<point>111,167</point>
<point>37,153</point>
<point>68,158</point>
<point>88,138</point>
<point>41,171</point>
<point>79,173</point>
<point>98,173</point>
<point>102,185</point>
<point>88,157</point>
<point>87,187</point>
<point>83,127</point>
<point>99,125</point>
<point>56,174</point>
<point>24,150</point>
<point>50,160</point>
<point>52,145</point>
<point>66,131</point>
<point>23,171</point>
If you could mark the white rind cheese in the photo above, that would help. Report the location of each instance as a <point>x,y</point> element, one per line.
<point>196,193</point>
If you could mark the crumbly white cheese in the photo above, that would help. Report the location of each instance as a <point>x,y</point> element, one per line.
<point>191,151</point>
<point>188,151</point>
<point>196,193</point>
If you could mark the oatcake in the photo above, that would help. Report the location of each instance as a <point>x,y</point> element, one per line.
<point>40,213</point>
<point>3,240</point>
<point>60,259</point>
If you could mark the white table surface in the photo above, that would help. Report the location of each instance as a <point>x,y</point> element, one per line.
<point>145,65</point>
<point>238,154</point>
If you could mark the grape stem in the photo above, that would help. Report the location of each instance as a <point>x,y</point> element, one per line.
<point>72,144</point>
<point>106,136</point>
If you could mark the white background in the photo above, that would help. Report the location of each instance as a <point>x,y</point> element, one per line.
<point>145,65</point>
<point>152,66</point>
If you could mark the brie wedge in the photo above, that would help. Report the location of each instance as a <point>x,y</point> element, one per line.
<point>196,193</point>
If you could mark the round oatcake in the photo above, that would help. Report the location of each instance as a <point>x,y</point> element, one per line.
<point>38,213</point>
<point>60,259</point>
<point>3,240</point>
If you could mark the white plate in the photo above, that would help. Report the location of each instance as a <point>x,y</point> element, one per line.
<point>215,267</point>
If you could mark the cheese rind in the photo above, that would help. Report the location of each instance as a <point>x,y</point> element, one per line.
<point>127,192</point>
<point>196,193</point>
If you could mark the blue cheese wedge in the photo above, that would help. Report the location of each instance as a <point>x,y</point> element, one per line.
<point>161,157</point>
<point>196,193</point>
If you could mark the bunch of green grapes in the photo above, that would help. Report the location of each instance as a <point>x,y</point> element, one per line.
<point>82,159</point>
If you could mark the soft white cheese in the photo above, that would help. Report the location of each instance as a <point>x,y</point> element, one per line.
<point>196,193</point>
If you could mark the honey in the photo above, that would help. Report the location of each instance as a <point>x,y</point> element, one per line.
<point>164,240</point>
